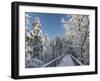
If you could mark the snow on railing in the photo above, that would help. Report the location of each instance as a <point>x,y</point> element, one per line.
<point>52,61</point>
<point>80,63</point>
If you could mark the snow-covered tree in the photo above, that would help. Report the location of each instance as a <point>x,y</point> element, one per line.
<point>28,48</point>
<point>37,42</point>
<point>47,51</point>
<point>81,23</point>
<point>77,31</point>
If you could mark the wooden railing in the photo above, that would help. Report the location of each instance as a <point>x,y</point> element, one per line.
<point>76,60</point>
<point>47,64</point>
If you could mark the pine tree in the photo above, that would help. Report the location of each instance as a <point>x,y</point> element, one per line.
<point>37,39</point>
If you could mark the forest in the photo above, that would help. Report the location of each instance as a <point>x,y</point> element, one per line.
<point>71,49</point>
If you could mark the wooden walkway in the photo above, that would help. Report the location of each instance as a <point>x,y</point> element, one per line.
<point>67,61</point>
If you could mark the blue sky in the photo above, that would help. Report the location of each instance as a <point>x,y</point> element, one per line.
<point>51,23</point>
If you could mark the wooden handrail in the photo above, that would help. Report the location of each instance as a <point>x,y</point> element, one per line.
<point>80,63</point>
<point>52,61</point>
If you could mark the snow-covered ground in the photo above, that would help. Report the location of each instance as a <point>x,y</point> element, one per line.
<point>66,61</point>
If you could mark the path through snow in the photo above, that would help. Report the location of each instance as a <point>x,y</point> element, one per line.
<point>66,61</point>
